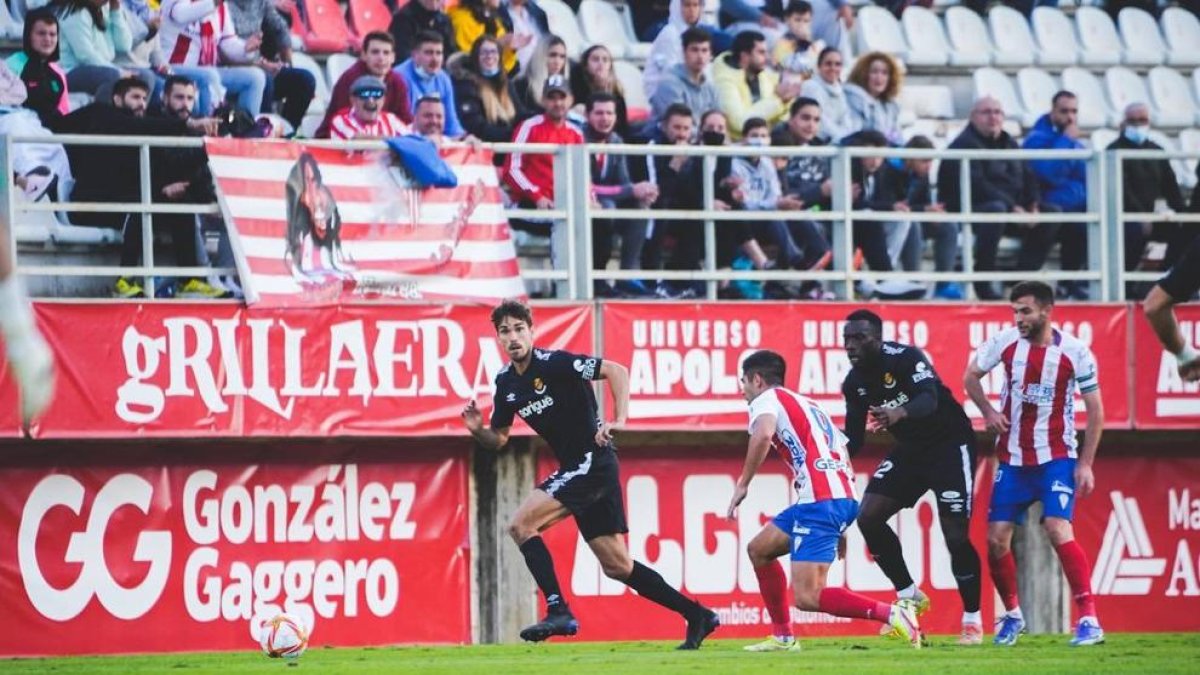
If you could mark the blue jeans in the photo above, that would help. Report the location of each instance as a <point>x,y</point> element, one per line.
<point>247,83</point>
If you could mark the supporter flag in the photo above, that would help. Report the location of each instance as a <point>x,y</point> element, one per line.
<point>315,226</point>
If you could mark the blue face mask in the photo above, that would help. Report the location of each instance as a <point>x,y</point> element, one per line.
<point>1137,134</point>
<point>490,72</point>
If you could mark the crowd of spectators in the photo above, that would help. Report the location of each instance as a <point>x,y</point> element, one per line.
<point>769,73</point>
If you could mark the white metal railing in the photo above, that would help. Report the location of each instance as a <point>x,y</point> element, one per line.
<point>572,245</point>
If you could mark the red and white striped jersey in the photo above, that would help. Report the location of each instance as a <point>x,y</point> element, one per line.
<point>1039,393</point>
<point>809,443</point>
<point>346,126</point>
<point>192,30</point>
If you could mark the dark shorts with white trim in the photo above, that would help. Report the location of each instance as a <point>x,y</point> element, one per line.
<point>591,491</point>
<point>947,468</point>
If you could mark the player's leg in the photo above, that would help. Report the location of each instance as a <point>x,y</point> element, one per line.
<point>764,550</point>
<point>895,485</point>
<point>953,481</point>
<point>31,360</point>
<point>1011,497</point>
<point>1058,502</point>
<point>538,512</point>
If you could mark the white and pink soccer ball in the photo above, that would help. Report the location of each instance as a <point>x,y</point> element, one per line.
<point>283,636</point>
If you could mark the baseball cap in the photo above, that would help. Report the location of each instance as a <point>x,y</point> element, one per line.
<point>368,86</point>
<point>556,84</point>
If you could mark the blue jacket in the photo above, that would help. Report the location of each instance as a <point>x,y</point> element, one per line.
<point>1063,181</point>
<point>419,85</point>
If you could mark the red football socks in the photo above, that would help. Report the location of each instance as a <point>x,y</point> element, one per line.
<point>772,584</point>
<point>1004,576</point>
<point>1079,576</point>
<point>841,602</point>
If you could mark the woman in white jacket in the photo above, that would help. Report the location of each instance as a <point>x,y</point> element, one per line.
<point>837,122</point>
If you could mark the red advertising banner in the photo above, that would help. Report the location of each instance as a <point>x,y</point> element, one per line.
<point>683,357</point>
<point>1164,400</point>
<point>134,555</point>
<point>183,370</point>
<point>10,403</point>
<point>1141,529</point>
<point>676,500</point>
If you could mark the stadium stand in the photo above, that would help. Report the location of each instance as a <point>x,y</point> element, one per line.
<point>927,40</point>
<point>1144,45</point>
<point>1171,97</point>
<point>1098,37</point>
<point>1012,37</point>
<point>1055,37</point>
<point>1181,29</point>
<point>564,24</point>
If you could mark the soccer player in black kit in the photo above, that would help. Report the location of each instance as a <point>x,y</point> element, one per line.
<point>552,392</point>
<point>894,387</point>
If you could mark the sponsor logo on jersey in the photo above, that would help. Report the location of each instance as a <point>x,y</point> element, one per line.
<point>892,351</point>
<point>923,373</point>
<point>542,355</point>
<point>586,368</point>
<point>1033,393</point>
<point>539,387</point>
<point>889,381</point>
<point>895,402</point>
<point>535,407</point>
<point>826,464</point>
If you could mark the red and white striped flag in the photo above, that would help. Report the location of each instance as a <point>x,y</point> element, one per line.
<point>317,226</point>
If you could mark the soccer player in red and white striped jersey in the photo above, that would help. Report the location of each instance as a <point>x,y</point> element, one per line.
<point>1037,451</point>
<point>826,504</point>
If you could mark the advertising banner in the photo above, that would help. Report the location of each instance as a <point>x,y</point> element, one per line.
<point>188,550</point>
<point>1164,400</point>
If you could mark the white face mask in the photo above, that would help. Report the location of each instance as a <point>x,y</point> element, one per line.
<point>1137,134</point>
<point>757,142</point>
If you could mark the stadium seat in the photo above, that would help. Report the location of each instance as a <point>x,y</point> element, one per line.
<point>1014,45</point>
<point>1125,87</point>
<point>367,16</point>
<point>1196,83</point>
<point>1179,166</point>
<point>994,83</point>
<point>927,43</point>
<point>1144,44</point>
<point>934,101</point>
<point>1101,46</point>
<point>78,99</point>
<point>1182,31</point>
<point>1037,89</point>
<point>326,31</point>
<point>1055,37</point>
<point>1189,141</point>
<point>563,24</point>
<point>1093,104</point>
<point>335,65</point>
<point>877,30</point>
<point>1172,98</point>
<point>10,27</point>
<point>968,35</point>
<point>630,77</point>
<point>321,97</point>
<point>602,25</point>
<point>1102,138</point>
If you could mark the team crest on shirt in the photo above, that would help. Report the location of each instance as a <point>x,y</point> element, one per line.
<point>539,387</point>
<point>889,381</point>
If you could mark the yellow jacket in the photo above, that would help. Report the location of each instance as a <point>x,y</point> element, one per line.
<point>467,30</point>
<point>733,94</point>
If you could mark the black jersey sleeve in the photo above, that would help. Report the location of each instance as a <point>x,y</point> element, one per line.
<point>1182,282</point>
<point>856,413</point>
<point>566,365</point>
<point>502,411</point>
<point>919,377</point>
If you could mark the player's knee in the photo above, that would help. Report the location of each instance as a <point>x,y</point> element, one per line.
<point>808,599</point>
<point>617,569</point>
<point>1058,530</point>
<point>520,532</point>
<point>998,545</point>
<point>956,532</point>
<point>758,554</point>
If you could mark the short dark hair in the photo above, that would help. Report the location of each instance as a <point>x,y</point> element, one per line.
<point>767,364</point>
<point>1041,292</point>
<point>177,80</point>
<point>826,52</point>
<point>709,113</point>
<point>427,36</point>
<point>514,309</point>
<point>43,15</point>
<point>125,84</point>
<point>432,97</point>
<point>752,124</point>
<point>869,138</point>
<point>803,102</point>
<point>378,36</point>
<point>919,142</point>
<point>1062,93</point>
<point>797,7</point>
<point>677,110</point>
<point>870,317</point>
<point>695,35</point>
<point>599,97</point>
<point>745,41</point>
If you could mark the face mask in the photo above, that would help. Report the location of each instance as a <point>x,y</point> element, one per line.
<point>712,138</point>
<point>756,142</point>
<point>1137,134</point>
<point>490,72</point>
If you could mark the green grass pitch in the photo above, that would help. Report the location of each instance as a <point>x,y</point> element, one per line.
<point>1123,653</point>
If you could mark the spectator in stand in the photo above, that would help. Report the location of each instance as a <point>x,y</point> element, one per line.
<point>1150,187</point>
<point>668,49</point>
<point>550,60</point>
<point>37,66</point>
<point>676,128</point>
<point>747,87</point>
<point>424,76</point>
<point>612,188</point>
<point>795,54</point>
<point>528,24</point>
<point>997,186</point>
<point>687,82</point>
<point>920,198</point>
<point>1063,182</point>
<point>876,189</point>
<point>198,35</point>
<point>594,74</point>
<point>429,122</point>
<point>873,94</point>
<point>530,177</point>
<point>828,17</point>
<point>91,34</point>
<point>473,19</point>
<point>837,122</point>
<point>366,118</point>
<point>763,16</point>
<point>377,58</point>
<point>37,168</point>
<point>267,44</point>
<point>110,174</point>
<point>421,16</point>
<point>805,177</point>
<point>485,96</point>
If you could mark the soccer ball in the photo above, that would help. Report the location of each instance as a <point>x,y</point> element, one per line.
<point>284,636</point>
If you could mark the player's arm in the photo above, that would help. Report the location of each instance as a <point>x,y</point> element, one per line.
<point>490,438</point>
<point>756,453</point>
<point>917,377</point>
<point>856,417</point>
<point>973,383</point>
<point>617,377</point>
<point>1085,482</point>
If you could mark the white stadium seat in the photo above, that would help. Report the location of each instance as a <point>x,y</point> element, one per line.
<point>1189,141</point>
<point>603,25</point>
<point>1037,89</point>
<point>563,24</point>
<point>928,100</point>
<point>994,83</point>
<point>1102,138</point>
<point>968,35</point>
<point>336,65</point>
<point>321,97</point>
<point>630,77</point>
<point>927,44</point>
<point>1182,31</point>
<point>1012,38</point>
<point>1179,166</point>
<point>1144,45</point>
<point>877,30</point>
<point>1097,37</point>
<point>1172,97</point>
<point>1124,88</point>
<point>1093,104</point>
<point>1196,83</point>
<point>1055,37</point>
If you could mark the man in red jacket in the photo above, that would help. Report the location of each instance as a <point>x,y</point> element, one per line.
<point>378,57</point>
<point>530,177</point>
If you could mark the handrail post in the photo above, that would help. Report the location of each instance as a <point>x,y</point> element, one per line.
<point>562,239</point>
<point>1115,199</point>
<point>1097,233</point>
<point>968,232</point>
<point>147,218</point>
<point>843,239</point>
<point>579,222</point>
<point>6,206</point>
<point>709,170</point>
